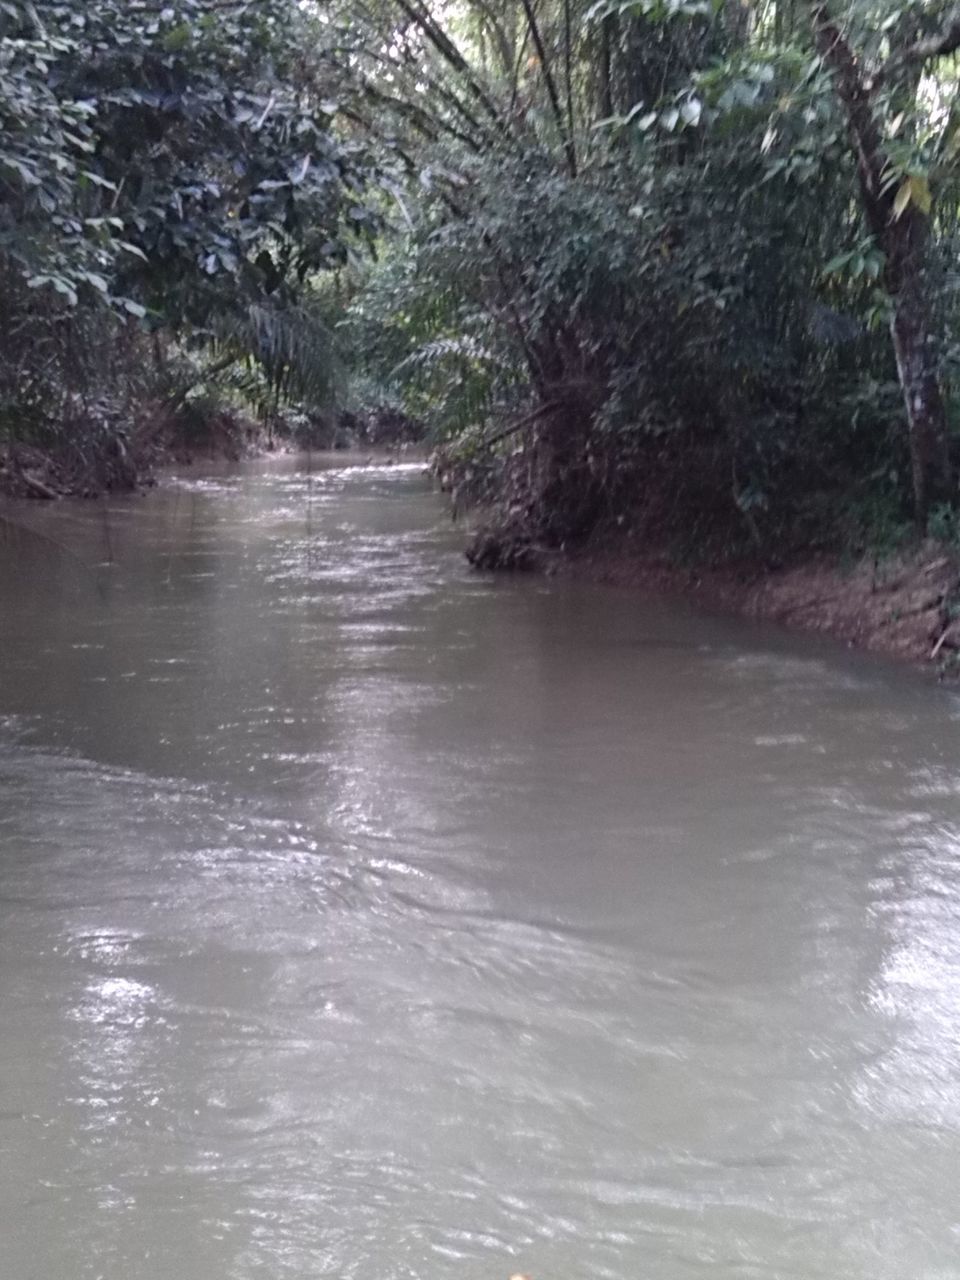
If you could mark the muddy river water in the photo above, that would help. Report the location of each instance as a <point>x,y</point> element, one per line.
<point>364,917</point>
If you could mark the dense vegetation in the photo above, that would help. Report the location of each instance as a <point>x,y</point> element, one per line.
<point>685,266</point>
<point>170,186</point>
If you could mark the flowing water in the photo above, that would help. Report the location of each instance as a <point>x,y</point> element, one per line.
<point>364,917</point>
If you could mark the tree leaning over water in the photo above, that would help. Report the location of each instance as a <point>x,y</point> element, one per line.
<point>661,246</point>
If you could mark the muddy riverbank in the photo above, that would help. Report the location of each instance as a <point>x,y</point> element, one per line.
<point>906,607</point>
<point>124,460</point>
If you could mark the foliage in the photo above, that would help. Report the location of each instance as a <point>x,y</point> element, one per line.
<point>171,164</point>
<point>641,258</point>
<point>639,255</point>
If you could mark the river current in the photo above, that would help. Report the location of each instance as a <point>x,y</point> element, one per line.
<point>364,917</point>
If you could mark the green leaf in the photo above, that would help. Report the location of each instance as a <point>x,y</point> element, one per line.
<point>178,39</point>
<point>952,146</point>
<point>920,192</point>
<point>902,198</point>
<point>97,281</point>
<point>837,264</point>
<point>97,179</point>
<point>58,283</point>
<point>26,172</point>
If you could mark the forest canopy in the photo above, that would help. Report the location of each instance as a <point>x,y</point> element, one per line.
<point>687,265</point>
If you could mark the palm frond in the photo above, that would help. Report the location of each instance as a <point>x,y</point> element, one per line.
<point>293,349</point>
<point>443,350</point>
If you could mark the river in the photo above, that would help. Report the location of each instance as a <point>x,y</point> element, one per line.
<point>364,917</point>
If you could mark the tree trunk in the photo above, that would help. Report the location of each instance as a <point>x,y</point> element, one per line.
<point>903,235</point>
<point>606,65</point>
<point>926,415</point>
<point>905,245</point>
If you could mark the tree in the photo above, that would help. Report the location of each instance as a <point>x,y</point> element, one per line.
<point>716,118</point>
<point>897,206</point>
<point>171,163</point>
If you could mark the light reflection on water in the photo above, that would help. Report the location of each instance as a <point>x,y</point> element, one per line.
<point>362,917</point>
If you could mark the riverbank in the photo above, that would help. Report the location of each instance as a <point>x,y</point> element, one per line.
<point>87,465</point>
<point>118,461</point>
<point>905,607</point>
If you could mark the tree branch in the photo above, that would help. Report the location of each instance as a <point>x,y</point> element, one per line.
<point>449,51</point>
<point>945,42</point>
<point>549,81</point>
<point>177,400</point>
<point>568,75</point>
<point>527,420</point>
<point>855,96</point>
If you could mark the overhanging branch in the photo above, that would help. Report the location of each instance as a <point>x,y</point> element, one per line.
<point>941,45</point>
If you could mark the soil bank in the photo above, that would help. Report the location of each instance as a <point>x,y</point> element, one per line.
<point>906,607</point>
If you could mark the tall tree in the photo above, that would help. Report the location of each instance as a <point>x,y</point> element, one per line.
<point>898,209</point>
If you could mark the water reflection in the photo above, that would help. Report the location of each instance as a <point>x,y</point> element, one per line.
<point>362,916</point>
<point>918,986</point>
